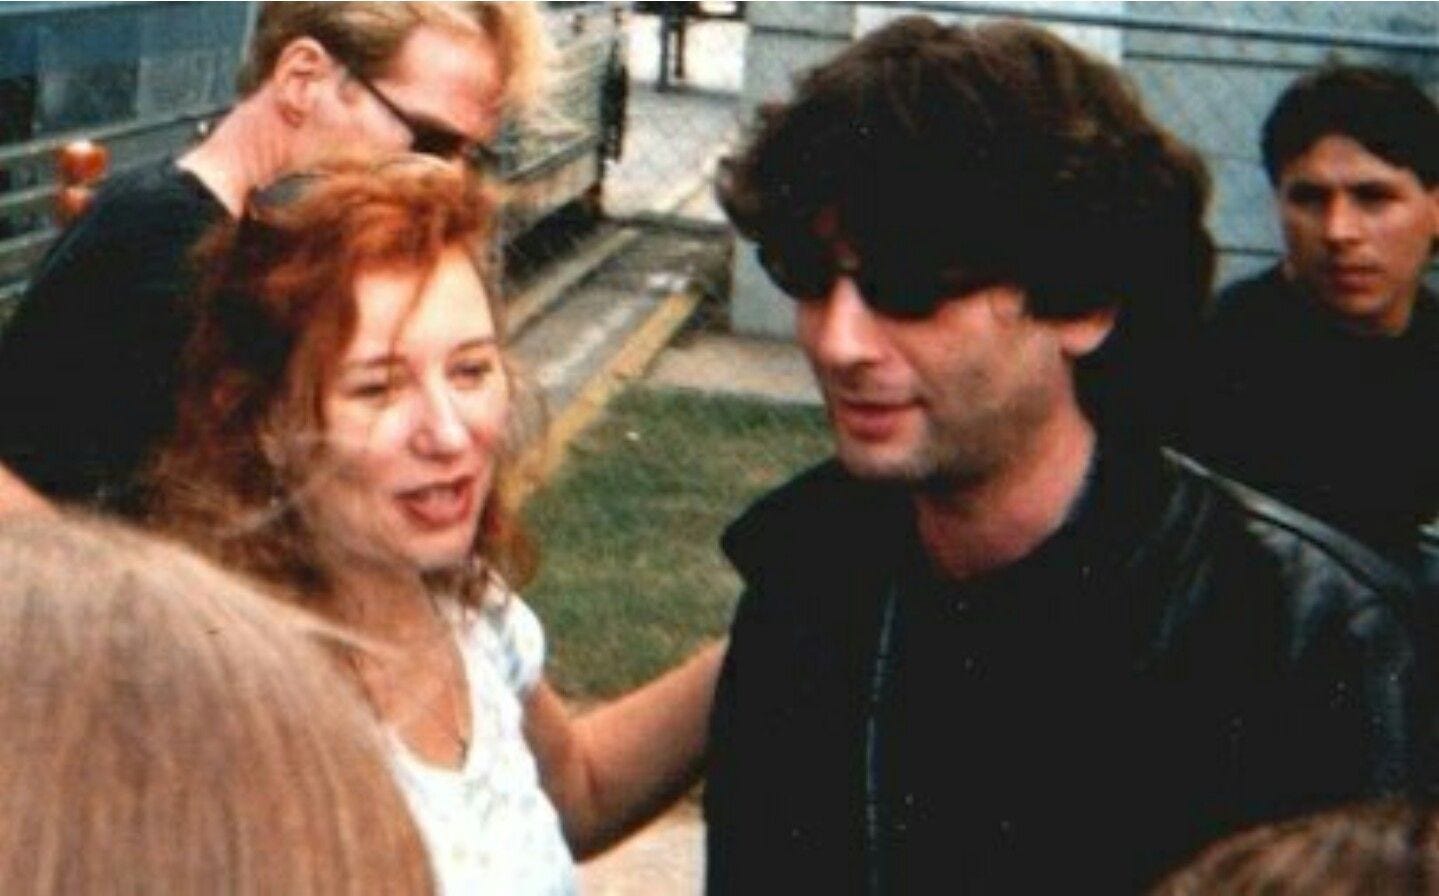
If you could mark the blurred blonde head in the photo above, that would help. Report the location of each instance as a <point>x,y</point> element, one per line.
<point>166,730</point>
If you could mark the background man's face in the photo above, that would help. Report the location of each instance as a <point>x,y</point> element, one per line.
<point>449,79</point>
<point>442,79</point>
<point>1359,232</point>
<point>951,396</point>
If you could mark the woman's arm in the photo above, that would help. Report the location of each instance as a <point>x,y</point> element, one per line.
<point>619,765</point>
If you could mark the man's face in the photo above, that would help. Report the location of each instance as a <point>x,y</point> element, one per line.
<point>948,397</point>
<point>1359,232</point>
<point>440,80</point>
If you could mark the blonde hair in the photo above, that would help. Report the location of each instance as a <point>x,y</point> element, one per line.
<point>366,37</point>
<point>166,729</point>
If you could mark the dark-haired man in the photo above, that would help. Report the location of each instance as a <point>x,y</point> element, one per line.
<point>1003,642</point>
<point>88,363</point>
<point>1320,377</point>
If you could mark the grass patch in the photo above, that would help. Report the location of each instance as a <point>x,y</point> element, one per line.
<point>631,576</point>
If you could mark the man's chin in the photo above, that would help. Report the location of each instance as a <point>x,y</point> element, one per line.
<point>866,462</point>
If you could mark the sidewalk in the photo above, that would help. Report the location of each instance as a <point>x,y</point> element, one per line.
<point>771,369</point>
<point>664,859</point>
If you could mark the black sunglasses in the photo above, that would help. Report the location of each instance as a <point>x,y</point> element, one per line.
<point>427,137</point>
<point>806,270</point>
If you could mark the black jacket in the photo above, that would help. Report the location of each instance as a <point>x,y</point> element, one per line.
<point>1185,657</point>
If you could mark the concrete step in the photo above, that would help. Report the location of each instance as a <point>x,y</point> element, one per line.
<point>604,331</point>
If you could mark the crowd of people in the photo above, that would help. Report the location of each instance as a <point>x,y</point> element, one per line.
<point>1103,570</point>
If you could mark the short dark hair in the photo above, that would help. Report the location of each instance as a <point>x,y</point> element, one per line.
<point>1382,110</point>
<point>999,151</point>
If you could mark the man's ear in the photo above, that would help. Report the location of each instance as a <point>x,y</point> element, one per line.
<point>299,74</point>
<point>1079,336</point>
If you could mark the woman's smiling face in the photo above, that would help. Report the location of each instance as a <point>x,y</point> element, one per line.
<point>414,415</point>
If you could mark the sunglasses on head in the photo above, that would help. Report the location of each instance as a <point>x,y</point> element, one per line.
<point>808,270</point>
<point>292,186</point>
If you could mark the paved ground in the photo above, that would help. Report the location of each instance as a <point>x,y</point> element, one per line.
<point>764,368</point>
<point>665,859</point>
<point>672,137</point>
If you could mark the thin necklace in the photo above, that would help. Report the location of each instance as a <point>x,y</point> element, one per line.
<point>450,723</point>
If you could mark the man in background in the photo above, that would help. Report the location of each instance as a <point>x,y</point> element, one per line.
<point>1319,379</point>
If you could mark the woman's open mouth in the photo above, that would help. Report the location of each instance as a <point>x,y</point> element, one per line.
<point>441,505</point>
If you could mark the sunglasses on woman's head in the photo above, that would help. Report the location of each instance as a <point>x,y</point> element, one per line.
<point>292,186</point>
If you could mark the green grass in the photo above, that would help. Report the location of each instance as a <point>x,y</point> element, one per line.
<point>631,576</point>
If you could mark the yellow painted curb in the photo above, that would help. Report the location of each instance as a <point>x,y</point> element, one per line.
<point>538,463</point>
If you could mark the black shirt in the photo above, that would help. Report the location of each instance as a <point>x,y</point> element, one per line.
<point>1337,424</point>
<point>88,362</point>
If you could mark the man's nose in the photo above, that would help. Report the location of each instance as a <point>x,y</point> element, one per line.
<point>842,331</point>
<point>1342,220</point>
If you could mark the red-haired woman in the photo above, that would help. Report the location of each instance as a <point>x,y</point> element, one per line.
<point>344,434</point>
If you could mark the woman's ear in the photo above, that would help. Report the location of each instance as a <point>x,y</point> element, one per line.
<point>300,72</point>
<point>1079,336</point>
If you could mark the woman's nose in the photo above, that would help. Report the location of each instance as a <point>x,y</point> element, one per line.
<point>441,427</point>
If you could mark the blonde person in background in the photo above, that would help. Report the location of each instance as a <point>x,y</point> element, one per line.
<point>169,730</point>
<point>346,425</point>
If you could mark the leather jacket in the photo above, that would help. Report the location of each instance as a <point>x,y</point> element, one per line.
<point>1183,658</point>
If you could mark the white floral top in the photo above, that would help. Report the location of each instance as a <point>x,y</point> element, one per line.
<point>489,827</point>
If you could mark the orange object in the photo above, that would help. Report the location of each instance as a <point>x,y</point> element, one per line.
<point>81,162</point>
<point>78,164</point>
<point>71,202</point>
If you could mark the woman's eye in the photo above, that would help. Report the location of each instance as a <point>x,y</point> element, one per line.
<point>376,391</point>
<point>472,373</point>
